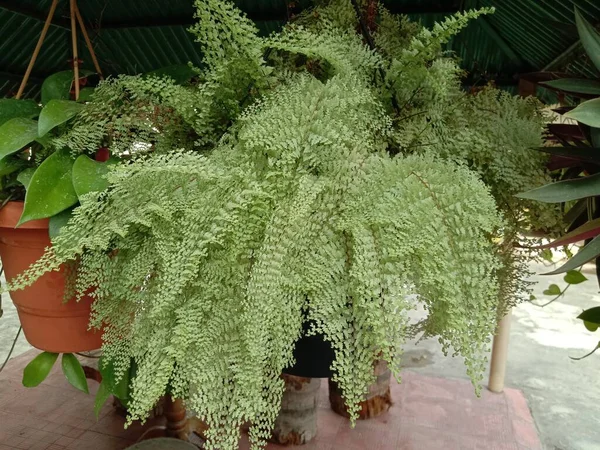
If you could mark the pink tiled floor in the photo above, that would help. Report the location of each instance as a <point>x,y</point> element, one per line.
<point>428,414</point>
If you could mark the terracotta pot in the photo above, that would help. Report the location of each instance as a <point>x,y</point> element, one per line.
<point>48,322</point>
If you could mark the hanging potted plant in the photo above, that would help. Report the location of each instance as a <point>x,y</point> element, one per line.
<point>283,198</point>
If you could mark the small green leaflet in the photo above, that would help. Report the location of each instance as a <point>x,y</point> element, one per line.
<point>38,369</point>
<point>553,289</point>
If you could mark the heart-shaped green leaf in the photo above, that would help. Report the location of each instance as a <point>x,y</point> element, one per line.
<point>590,38</point>
<point>74,372</point>
<point>38,369</point>
<point>16,134</point>
<point>564,191</point>
<point>574,277</point>
<point>55,113</point>
<point>590,326</point>
<point>587,113</point>
<point>58,85</point>
<point>11,108</point>
<point>89,175</point>
<point>101,396</point>
<point>575,85</point>
<point>553,289</point>
<point>50,190</point>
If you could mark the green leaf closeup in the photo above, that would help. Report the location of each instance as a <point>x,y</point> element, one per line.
<point>58,221</point>
<point>101,396</point>
<point>38,369</point>
<point>553,289</point>
<point>117,387</point>
<point>16,134</point>
<point>180,73</point>
<point>50,190</point>
<point>574,277</point>
<point>89,175</point>
<point>587,113</point>
<point>576,85</point>
<point>24,176</point>
<point>564,191</point>
<point>55,113</point>
<point>590,38</point>
<point>85,95</point>
<point>74,372</point>
<point>11,108</point>
<point>10,165</point>
<point>58,85</point>
<point>585,254</point>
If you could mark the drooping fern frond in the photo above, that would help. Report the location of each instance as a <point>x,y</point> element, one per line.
<point>316,202</point>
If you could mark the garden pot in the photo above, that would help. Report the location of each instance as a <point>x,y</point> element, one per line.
<point>313,355</point>
<point>49,323</point>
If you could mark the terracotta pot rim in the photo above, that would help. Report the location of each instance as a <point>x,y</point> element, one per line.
<point>11,213</point>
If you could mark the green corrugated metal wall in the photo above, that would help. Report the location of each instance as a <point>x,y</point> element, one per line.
<point>132,36</point>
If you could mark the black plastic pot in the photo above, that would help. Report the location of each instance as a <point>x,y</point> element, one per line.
<point>314,356</point>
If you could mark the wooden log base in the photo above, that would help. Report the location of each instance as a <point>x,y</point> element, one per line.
<point>377,401</point>
<point>296,423</point>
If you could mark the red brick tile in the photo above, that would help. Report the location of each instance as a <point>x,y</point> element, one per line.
<point>63,441</point>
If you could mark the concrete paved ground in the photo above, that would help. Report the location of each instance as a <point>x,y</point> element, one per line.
<point>564,395</point>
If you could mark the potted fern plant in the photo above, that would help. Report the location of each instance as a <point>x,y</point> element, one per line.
<point>287,193</point>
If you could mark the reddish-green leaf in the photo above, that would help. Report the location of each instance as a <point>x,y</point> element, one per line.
<point>585,254</point>
<point>586,231</point>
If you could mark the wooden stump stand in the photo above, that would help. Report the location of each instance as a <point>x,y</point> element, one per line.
<point>297,420</point>
<point>377,401</point>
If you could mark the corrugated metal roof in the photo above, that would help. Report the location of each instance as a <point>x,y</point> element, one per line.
<point>132,36</point>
